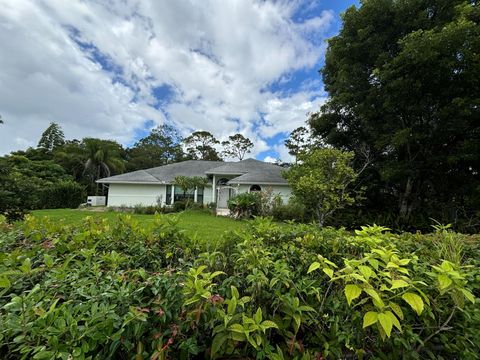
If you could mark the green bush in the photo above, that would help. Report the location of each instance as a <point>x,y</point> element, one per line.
<point>293,210</point>
<point>245,205</point>
<point>148,210</point>
<point>179,205</point>
<point>64,194</point>
<point>14,214</point>
<point>117,289</point>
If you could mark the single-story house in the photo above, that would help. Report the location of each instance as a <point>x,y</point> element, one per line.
<point>155,186</point>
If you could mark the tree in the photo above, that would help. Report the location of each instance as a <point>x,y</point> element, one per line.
<point>300,140</point>
<point>237,146</point>
<point>72,157</point>
<point>24,183</point>
<point>403,82</point>
<point>200,145</point>
<point>162,146</point>
<point>187,183</point>
<point>103,158</point>
<point>321,180</point>
<point>52,137</point>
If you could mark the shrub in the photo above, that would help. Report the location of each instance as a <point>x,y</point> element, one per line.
<point>117,289</point>
<point>268,201</point>
<point>293,210</point>
<point>64,194</point>
<point>14,214</point>
<point>179,205</point>
<point>245,205</point>
<point>147,210</point>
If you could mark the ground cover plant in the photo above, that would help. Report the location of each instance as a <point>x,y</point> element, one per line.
<point>115,288</point>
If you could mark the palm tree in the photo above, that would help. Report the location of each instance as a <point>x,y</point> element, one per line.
<point>103,158</point>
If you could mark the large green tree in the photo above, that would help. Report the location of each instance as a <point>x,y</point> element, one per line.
<point>162,146</point>
<point>201,145</point>
<point>404,79</point>
<point>52,137</point>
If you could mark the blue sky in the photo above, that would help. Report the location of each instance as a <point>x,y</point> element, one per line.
<point>116,69</point>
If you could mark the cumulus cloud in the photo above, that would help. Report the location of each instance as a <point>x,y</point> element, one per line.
<point>94,67</point>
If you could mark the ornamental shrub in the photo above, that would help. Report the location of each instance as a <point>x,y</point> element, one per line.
<point>116,289</point>
<point>245,205</point>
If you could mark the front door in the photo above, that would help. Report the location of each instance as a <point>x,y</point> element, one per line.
<point>222,198</point>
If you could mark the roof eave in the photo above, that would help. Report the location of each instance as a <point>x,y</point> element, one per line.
<point>130,182</point>
<point>256,183</point>
<point>224,173</point>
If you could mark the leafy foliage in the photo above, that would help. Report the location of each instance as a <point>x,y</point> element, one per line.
<point>320,181</point>
<point>103,158</point>
<point>187,183</point>
<point>402,77</point>
<point>245,205</point>
<point>121,289</point>
<point>162,146</point>
<point>200,145</point>
<point>52,137</point>
<point>237,146</point>
<point>25,184</point>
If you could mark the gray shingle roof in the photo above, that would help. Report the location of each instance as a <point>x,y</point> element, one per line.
<point>164,174</point>
<point>267,176</point>
<point>242,167</point>
<point>135,176</point>
<point>250,171</point>
<point>167,173</point>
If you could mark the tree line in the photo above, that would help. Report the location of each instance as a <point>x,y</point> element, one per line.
<point>59,167</point>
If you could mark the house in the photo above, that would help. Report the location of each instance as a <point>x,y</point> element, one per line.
<point>225,179</point>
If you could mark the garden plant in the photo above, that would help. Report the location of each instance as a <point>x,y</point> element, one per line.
<point>120,290</point>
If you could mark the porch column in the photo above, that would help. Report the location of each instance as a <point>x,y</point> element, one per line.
<point>214,190</point>
<point>195,194</point>
<point>173,195</point>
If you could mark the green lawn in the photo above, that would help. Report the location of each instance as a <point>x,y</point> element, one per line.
<point>201,224</point>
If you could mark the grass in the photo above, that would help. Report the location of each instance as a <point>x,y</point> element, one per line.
<point>196,223</point>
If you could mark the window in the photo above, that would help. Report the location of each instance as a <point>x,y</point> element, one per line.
<point>255,188</point>
<point>168,198</point>
<point>200,195</point>
<point>179,196</point>
<point>222,181</point>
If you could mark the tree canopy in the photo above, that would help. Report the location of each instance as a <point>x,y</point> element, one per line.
<point>320,181</point>
<point>237,146</point>
<point>52,137</point>
<point>162,146</point>
<point>103,158</point>
<point>200,145</point>
<point>404,79</point>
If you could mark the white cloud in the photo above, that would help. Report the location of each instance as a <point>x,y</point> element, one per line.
<point>218,57</point>
<point>270,159</point>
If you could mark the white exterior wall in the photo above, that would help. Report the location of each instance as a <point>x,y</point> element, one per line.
<point>283,190</point>
<point>207,195</point>
<point>135,194</point>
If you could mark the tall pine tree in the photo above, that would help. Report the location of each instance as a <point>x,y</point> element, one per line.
<point>52,137</point>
